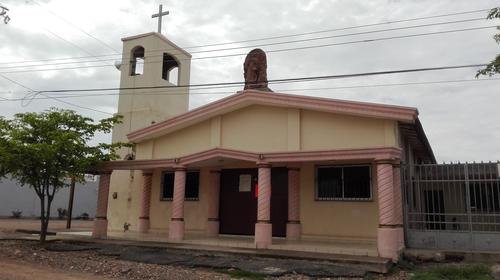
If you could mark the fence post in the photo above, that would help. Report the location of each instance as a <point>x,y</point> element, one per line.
<point>467,204</point>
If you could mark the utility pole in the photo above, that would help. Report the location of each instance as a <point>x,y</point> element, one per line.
<point>70,203</point>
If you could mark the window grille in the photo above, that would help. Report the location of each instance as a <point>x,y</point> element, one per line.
<point>343,183</point>
<point>192,185</point>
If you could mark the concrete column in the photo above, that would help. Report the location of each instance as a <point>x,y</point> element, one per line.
<point>176,226</point>
<point>387,233</point>
<point>263,227</point>
<point>293,224</point>
<point>213,204</point>
<point>143,223</point>
<point>100,229</point>
<point>398,208</point>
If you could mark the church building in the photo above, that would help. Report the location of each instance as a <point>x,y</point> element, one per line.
<point>270,167</point>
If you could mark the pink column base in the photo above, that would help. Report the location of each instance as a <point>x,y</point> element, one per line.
<point>143,225</point>
<point>176,230</point>
<point>388,242</point>
<point>100,229</point>
<point>213,228</point>
<point>263,235</point>
<point>401,239</point>
<point>293,231</point>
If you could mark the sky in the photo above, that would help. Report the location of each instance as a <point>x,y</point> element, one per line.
<point>460,116</point>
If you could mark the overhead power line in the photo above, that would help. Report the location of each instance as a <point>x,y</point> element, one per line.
<point>339,29</point>
<point>142,93</point>
<point>253,46</point>
<point>76,27</point>
<point>31,91</point>
<point>277,50</point>
<point>275,37</point>
<point>278,81</point>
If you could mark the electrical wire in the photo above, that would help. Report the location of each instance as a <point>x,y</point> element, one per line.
<point>35,93</point>
<point>252,46</point>
<point>277,81</point>
<point>278,50</point>
<point>278,37</point>
<point>76,27</point>
<point>277,90</point>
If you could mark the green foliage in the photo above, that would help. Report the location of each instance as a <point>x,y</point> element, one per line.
<point>493,67</point>
<point>43,150</point>
<point>463,272</point>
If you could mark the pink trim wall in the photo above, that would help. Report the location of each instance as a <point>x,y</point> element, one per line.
<point>368,154</point>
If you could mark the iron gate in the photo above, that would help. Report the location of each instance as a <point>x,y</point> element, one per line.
<point>452,206</point>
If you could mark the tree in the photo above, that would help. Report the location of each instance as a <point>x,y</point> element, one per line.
<point>45,150</point>
<point>493,67</point>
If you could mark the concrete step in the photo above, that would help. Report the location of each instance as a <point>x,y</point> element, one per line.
<point>368,263</point>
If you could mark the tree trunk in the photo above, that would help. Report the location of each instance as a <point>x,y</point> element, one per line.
<point>45,218</point>
<point>43,225</point>
<point>70,203</point>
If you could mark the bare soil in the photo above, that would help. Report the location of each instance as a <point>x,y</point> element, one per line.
<point>18,270</point>
<point>83,265</point>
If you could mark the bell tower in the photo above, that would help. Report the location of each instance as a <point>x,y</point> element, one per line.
<point>154,82</point>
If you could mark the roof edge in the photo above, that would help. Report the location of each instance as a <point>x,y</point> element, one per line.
<point>161,36</point>
<point>363,109</point>
<point>424,139</point>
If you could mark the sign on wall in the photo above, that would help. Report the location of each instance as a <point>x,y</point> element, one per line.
<point>245,183</point>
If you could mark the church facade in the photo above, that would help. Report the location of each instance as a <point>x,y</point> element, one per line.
<point>257,163</point>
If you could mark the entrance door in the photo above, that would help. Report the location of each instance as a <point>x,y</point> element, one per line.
<point>238,201</point>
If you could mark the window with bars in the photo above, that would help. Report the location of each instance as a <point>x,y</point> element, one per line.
<point>192,185</point>
<point>343,182</point>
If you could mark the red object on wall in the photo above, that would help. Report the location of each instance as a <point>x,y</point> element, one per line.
<point>257,190</point>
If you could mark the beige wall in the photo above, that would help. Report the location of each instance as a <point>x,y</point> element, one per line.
<point>270,129</point>
<point>336,219</point>
<point>139,110</point>
<point>195,212</point>
<point>320,219</point>
<point>125,207</point>
<point>262,129</point>
<point>322,131</point>
<point>186,141</point>
<point>142,107</point>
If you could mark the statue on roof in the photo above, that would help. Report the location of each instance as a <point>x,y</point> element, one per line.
<point>255,70</point>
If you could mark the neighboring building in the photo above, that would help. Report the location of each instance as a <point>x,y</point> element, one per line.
<point>254,163</point>
<point>14,197</point>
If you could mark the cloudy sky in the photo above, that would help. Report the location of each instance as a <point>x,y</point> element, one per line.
<point>460,116</point>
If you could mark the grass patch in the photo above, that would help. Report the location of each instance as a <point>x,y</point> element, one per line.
<point>461,272</point>
<point>241,274</point>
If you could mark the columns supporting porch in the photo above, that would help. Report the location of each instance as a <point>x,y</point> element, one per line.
<point>100,228</point>
<point>143,222</point>
<point>390,236</point>
<point>390,233</point>
<point>213,204</point>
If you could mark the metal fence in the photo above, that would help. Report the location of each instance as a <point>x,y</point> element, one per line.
<point>452,206</point>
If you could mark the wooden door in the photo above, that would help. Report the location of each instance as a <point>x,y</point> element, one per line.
<point>238,204</point>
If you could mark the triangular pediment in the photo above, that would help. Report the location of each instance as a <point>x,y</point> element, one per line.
<point>245,99</point>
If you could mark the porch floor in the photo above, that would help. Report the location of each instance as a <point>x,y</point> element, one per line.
<point>334,246</point>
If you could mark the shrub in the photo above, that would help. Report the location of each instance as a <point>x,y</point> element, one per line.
<point>16,214</point>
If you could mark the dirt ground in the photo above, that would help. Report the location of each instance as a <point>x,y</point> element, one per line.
<point>10,225</point>
<point>18,270</point>
<point>24,259</point>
